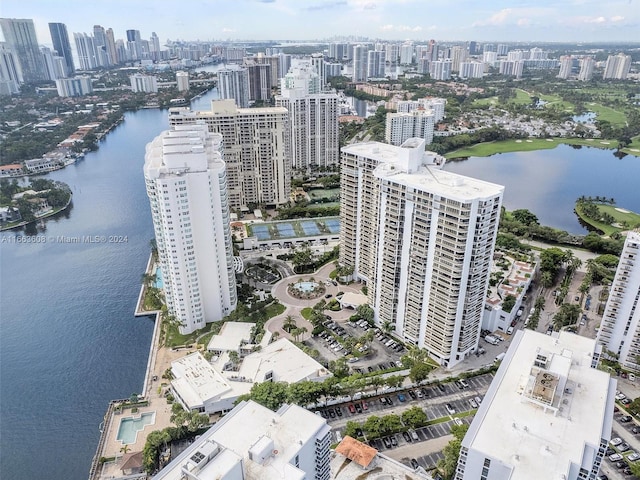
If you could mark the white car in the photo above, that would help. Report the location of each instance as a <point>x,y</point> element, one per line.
<point>633,457</point>
<point>621,396</point>
<point>473,403</point>
<point>615,441</point>
<point>509,330</point>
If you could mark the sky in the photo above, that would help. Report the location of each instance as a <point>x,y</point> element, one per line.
<point>443,20</point>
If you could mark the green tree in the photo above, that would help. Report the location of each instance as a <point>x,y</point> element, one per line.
<point>390,424</point>
<point>305,392</point>
<point>414,417</point>
<point>508,303</point>
<point>451,451</point>
<point>365,312</point>
<point>525,216</point>
<point>394,381</point>
<point>373,426</point>
<point>351,428</point>
<point>419,372</point>
<point>289,323</point>
<point>270,394</point>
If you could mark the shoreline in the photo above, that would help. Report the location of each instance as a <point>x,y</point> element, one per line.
<point>37,219</point>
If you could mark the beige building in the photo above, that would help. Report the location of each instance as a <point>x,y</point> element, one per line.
<point>257,150</point>
<point>422,240</point>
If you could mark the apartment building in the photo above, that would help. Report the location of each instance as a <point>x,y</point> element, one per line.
<point>254,443</point>
<point>402,126</point>
<point>422,240</point>
<point>187,188</point>
<point>620,328</point>
<point>257,150</point>
<point>547,414</point>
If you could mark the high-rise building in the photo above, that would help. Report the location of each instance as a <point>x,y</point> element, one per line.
<point>392,54</point>
<point>60,40</point>
<point>566,66</point>
<point>20,36</point>
<point>617,67</point>
<point>284,64</point>
<point>547,414</point>
<point>375,64</point>
<point>74,87</point>
<point>10,74</point>
<point>187,188</point>
<point>313,118</point>
<point>620,328</point>
<point>512,68</point>
<point>144,83</point>
<point>402,126</point>
<point>458,55</point>
<point>154,47</point>
<point>471,69</point>
<point>257,150</point>
<point>502,49</point>
<point>233,83</point>
<point>406,53</point>
<point>360,63</point>
<point>55,65</point>
<point>259,82</point>
<point>112,55</point>
<point>586,69</point>
<point>182,81</point>
<point>134,46</point>
<point>291,443</point>
<point>100,44</point>
<point>318,63</point>
<point>86,50</point>
<point>423,65</point>
<point>440,69</point>
<point>422,240</point>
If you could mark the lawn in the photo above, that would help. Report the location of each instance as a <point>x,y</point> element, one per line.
<point>332,193</point>
<point>632,219</point>
<point>505,146</point>
<point>608,114</point>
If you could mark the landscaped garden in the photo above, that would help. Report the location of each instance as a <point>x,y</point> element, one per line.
<point>306,289</point>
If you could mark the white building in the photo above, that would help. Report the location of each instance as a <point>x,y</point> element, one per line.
<point>436,105</point>
<point>74,87</point>
<point>422,240</point>
<point>566,66</point>
<point>548,413</point>
<point>213,388</point>
<point>402,126</point>
<point>617,67</point>
<point>406,53</point>
<point>359,63</point>
<point>313,119</point>
<point>586,69</point>
<point>144,83</point>
<point>86,50</point>
<point>375,64</point>
<point>511,67</point>
<point>471,69</point>
<point>257,149</point>
<point>233,83</point>
<point>440,69</point>
<point>254,443</point>
<point>620,329</point>
<point>187,188</point>
<point>182,80</point>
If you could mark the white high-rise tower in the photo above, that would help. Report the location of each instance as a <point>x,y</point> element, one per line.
<point>313,118</point>
<point>187,187</point>
<point>422,239</point>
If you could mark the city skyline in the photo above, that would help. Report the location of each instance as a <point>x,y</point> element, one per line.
<point>508,21</point>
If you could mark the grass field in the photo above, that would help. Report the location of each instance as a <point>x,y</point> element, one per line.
<point>505,146</point>
<point>614,117</point>
<point>632,219</point>
<point>333,193</point>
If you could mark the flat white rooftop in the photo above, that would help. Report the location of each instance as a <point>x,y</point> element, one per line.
<point>196,380</point>
<point>286,361</point>
<point>538,420</point>
<point>251,427</point>
<point>231,336</point>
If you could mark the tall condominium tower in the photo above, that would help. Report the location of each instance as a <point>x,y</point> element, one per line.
<point>233,83</point>
<point>360,63</point>
<point>257,150</point>
<point>548,413</point>
<point>313,118</point>
<point>406,53</point>
<point>20,36</point>
<point>620,328</point>
<point>61,45</point>
<point>422,240</point>
<point>566,66</point>
<point>617,67</point>
<point>10,75</point>
<point>187,188</point>
<point>586,69</point>
<point>402,126</point>
<point>259,82</point>
<point>86,49</point>
<point>375,64</point>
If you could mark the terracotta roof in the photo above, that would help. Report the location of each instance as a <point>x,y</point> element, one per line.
<point>356,451</point>
<point>131,460</point>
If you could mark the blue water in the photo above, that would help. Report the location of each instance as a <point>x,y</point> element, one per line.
<point>548,182</point>
<point>159,283</point>
<point>68,340</point>
<point>129,427</point>
<point>306,286</point>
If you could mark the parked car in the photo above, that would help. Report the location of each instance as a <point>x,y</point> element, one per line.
<point>464,383</point>
<point>401,397</point>
<point>625,418</point>
<point>414,463</point>
<point>615,441</point>
<point>616,457</point>
<point>623,447</point>
<point>364,405</point>
<point>473,403</point>
<point>412,395</point>
<point>394,441</point>
<point>450,409</point>
<point>358,407</point>
<point>351,408</point>
<point>633,457</point>
<point>339,411</point>
<point>406,437</point>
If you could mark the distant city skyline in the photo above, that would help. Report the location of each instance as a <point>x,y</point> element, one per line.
<point>443,20</point>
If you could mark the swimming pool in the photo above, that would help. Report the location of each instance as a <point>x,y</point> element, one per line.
<point>129,427</point>
<point>159,282</point>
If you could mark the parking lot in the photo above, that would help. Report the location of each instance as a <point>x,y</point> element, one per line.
<point>444,401</point>
<point>628,432</point>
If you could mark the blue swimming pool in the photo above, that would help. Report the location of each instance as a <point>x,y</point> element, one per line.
<point>129,427</point>
<point>306,286</point>
<point>159,282</point>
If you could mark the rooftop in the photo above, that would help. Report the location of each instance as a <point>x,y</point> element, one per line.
<point>544,405</point>
<point>231,336</point>
<point>197,380</point>
<point>269,442</point>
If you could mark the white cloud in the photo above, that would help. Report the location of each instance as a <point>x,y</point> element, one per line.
<point>517,16</point>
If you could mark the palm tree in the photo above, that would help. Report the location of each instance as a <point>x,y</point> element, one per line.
<point>289,323</point>
<point>124,449</point>
<point>275,336</point>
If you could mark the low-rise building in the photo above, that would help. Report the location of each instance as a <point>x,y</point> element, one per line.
<point>213,388</point>
<point>548,413</point>
<point>13,170</point>
<point>291,444</point>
